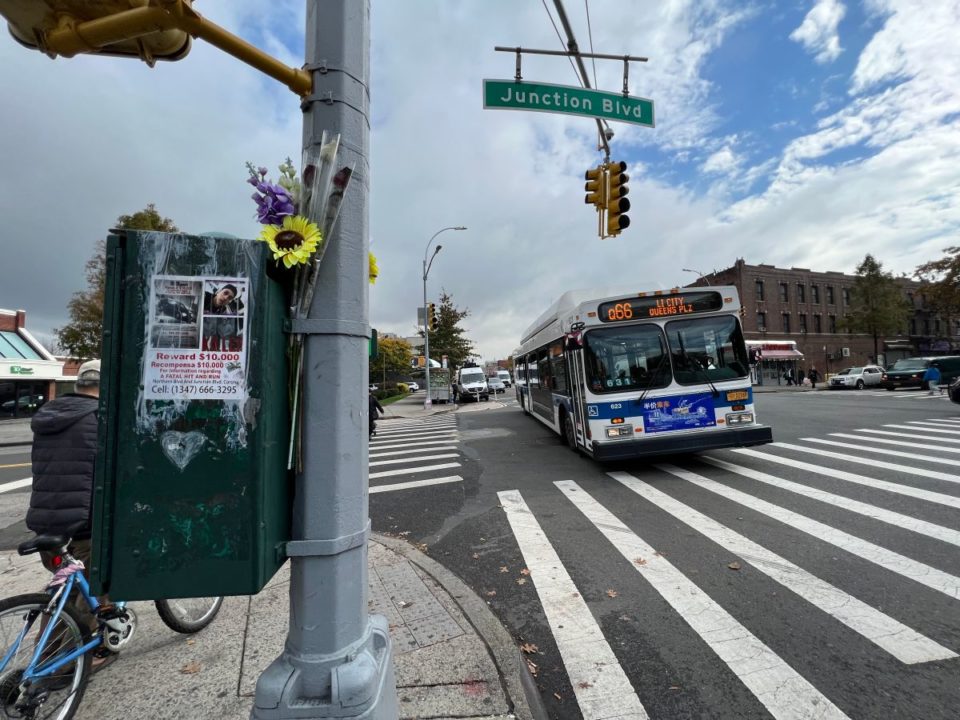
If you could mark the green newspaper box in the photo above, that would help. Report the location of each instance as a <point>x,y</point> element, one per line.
<point>192,496</point>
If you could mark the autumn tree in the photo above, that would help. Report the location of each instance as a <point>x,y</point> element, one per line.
<point>393,359</point>
<point>449,338</point>
<point>81,338</point>
<point>940,281</point>
<point>877,304</point>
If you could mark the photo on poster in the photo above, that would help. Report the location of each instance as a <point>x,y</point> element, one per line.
<point>224,297</point>
<point>222,333</point>
<point>175,313</point>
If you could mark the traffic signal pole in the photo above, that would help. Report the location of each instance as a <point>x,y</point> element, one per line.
<point>336,662</point>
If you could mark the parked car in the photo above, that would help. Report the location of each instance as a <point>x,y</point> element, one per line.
<point>857,377</point>
<point>908,372</point>
<point>471,384</point>
<point>504,376</point>
<point>495,384</point>
<point>412,386</point>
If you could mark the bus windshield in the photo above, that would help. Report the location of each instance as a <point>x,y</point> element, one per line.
<point>626,357</point>
<point>707,349</point>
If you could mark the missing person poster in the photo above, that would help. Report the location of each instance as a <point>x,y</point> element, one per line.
<point>197,345</point>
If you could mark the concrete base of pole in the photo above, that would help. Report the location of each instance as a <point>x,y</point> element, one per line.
<point>359,683</point>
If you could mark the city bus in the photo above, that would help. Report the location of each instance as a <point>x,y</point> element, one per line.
<point>622,375</point>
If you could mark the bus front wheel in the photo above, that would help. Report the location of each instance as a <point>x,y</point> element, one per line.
<point>569,433</point>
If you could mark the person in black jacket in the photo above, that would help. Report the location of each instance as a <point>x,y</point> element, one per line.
<point>63,456</point>
<point>375,409</point>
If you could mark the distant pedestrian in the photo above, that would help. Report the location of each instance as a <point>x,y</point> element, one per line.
<point>375,410</point>
<point>814,376</point>
<point>931,378</point>
<point>788,376</point>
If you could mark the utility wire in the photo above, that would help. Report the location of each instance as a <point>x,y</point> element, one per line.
<point>563,44</point>
<point>593,61</point>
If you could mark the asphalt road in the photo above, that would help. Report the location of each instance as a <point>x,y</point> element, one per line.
<point>14,495</point>
<point>747,590</point>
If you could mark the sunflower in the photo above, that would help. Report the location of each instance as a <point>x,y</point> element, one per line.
<point>294,241</point>
<point>374,270</point>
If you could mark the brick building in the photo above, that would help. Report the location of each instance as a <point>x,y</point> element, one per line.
<point>803,307</point>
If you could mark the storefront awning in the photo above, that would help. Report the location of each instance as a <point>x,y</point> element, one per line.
<point>782,355</point>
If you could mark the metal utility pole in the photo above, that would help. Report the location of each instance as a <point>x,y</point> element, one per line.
<point>336,661</point>
<point>428,403</point>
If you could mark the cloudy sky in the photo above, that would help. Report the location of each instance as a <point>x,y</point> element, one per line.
<point>794,132</point>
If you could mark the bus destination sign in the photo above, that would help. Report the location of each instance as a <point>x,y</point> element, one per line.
<point>655,306</point>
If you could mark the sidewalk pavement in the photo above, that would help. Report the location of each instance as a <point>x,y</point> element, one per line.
<point>452,657</point>
<point>15,432</point>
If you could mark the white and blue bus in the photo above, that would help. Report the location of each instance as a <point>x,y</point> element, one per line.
<point>622,375</point>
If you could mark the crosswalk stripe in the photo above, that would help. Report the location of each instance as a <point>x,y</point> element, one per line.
<point>907,490</point>
<point>599,683</point>
<point>411,451</point>
<point>397,434</point>
<point>888,559</point>
<point>382,445</point>
<point>415,484</point>
<point>901,443</point>
<point>874,431</point>
<point>409,471</point>
<point>392,425</point>
<point>418,458</point>
<point>942,427</point>
<point>939,430</point>
<point>783,691</point>
<point>904,643</point>
<point>890,517</point>
<point>16,485</point>
<point>820,452</point>
<point>884,451</point>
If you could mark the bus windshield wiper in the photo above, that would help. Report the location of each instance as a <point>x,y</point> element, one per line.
<point>703,371</point>
<point>653,377</point>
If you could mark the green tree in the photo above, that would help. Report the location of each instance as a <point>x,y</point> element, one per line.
<point>81,338</point>
<point>449,338</point>
<point>393,359</point>
<point>877,304</point>
<point>940,281</point>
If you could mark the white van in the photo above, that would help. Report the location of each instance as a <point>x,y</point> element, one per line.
<point>471,384</point>
<point>504,376</point>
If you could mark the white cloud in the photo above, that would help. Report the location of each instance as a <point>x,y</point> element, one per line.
<point>818,31</point>
<point>723,161</point>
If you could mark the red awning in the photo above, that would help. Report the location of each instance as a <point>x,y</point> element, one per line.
<point>782,354</point>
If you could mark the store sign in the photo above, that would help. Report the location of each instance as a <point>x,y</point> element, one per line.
<point>20,370</point>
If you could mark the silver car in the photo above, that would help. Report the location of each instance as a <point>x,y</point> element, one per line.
<point>857,378</point>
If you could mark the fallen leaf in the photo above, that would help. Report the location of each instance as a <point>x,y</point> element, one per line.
<point>422,547</point>
<point>191,641</point>
<point>476,556</point>
<point>525,572</point>
<point>583,685</point>
<point>491,593</point>
<point>529,648</point>
<point>532,666</point>
<point>640,561</point>
<point>734,566</point>
<point>504,568</point>
<point>612,593</point>
<point>404,604</point>
<point>521,581</point>
<point>404,533</point>
<point>576,594</point>
<point>190,668</point>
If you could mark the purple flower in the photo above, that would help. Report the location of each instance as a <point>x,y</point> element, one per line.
<point>273,203</point>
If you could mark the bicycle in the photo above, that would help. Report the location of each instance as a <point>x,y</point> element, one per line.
<point>46,647</point>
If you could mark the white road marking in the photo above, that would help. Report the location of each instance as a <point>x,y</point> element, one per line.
<point>16,485</point>
<point>901,443</point>
<point>419,458</point>
<point>936,427</point>
<point>928,495</point>
<point>393,453</point>
<point>909,436</point>
<point>415,484</point>
<point>783,691</point>
<point>374,445</point>
<point>409,471</point>
<point>904,643</point>
<point>914,570</point>
<point>922,472</point>
<point>884,451</point>
<point>599,683</point>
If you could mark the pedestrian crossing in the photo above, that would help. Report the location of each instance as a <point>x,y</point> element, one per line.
<point>868,394</point>
<point>414,453</point>
<point>790,514</point>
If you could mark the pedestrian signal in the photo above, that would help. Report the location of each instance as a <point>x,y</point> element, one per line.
<point>616,200</point>
<point>595,186</point>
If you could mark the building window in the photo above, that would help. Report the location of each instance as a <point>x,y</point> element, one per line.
<point>802,323</point>
<point>830,295</point>
<point>846,296</point>
<point>816,324</point>
<point>761,321</point>
<point>786,322</point>
<point>759,289</point>
<point>936,326</point>
<point>832,323</point>
<point>815,294</point>
<point>784,293</point>
<point>926,326</point>
<point>801,293</point>
<point>913,326</point>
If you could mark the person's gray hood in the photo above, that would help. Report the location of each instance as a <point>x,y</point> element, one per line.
<point>62,412</point>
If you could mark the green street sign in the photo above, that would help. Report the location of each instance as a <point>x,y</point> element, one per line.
<point>542,97</point>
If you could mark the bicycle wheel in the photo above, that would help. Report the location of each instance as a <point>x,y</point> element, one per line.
<point>188,615</point>
<point>55,697</point>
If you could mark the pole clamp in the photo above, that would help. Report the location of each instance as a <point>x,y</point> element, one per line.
<point>312,326</point>
<point>335,546</point>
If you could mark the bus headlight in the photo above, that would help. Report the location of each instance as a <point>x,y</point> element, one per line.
<point>739,419</point>
<point>619,431</point>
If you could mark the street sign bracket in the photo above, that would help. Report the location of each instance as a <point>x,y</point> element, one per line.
<point>314,326</point>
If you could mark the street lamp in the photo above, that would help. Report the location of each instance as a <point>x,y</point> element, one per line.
<point>428,403</point>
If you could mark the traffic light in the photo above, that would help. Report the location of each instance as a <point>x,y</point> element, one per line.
<point>596,186</point>
<point>433,318</point>
<point>616,200</point>
<point>108,27</point>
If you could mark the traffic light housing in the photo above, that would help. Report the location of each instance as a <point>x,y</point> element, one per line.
<point>596,186</point>
<point>433,317</point>
<point>616,200</point>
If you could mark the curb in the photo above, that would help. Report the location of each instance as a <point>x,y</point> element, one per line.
<point>22,443</point>
<point>520,686</point>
